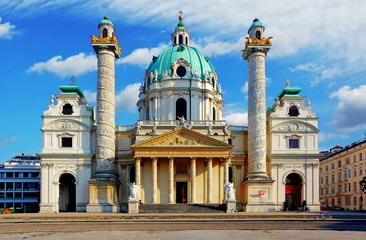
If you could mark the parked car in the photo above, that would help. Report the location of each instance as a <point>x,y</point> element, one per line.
<point>337,208</point>
<point>326,208</point>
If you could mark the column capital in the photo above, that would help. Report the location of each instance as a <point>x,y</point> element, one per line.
<point>209,158</point>
<point>137,158</point>
<point>154,158</point>
<point>226,159</point>
<point>193,158</point>
<point>171,158</point>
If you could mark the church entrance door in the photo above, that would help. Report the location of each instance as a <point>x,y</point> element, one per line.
<point>67,193</point>
<point>181,192</point>
<point>293,191</point>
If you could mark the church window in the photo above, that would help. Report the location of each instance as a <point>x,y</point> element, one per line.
<point>258,34</point>
<point>231,178</point>
<point>213,82</point>
<point>213,114</point>
<point>180,39</point>
<point>293,143</point>
<point>67,109</point>
<point>181,108</point>
<point>186,40</point>
<point>66,142</point>
<point>175,40</point>
<point>105,32</point>
<point>181,71</point>
<point>293,111</point>
<point>230,141</point>
<point>147,113</point>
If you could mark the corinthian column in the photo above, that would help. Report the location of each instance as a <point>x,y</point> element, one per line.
<point>155,180</point>
<point>193,179</point>
<point>171,180</point>
<point>209,180</point>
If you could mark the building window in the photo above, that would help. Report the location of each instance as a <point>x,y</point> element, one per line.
<point>66,142</point>
<point>105,32</point>
<point>355,172</point>
<point>333,180</point>
<point>213,114</point>
<point>326,180</point>
<point>354,158</point>
<point>326,191</point>
<point>355,201</point>
<point>349,187</point>
<point>333,189</point>
<point>360,171</point>
<point>258,34</point>
<point>213,82</point>
<point>321,180</point>
<point>293,111</point>
<point>9,175</point>
<point>345,174</point>
<point>360,156</point>
<point>67,109</point>
<point>326,168</point>
<point>339,201</point>
<point>348,201</point>
<point>339,176</point>
<point>355,186</point>
<point>345,187</point>
<point>293,143</point>
<point>181,71</point>
<point>339,188</point>
<point>347,161</point>
<point>349,173</point>
<point>332,166</point>
<point>180,39</point>
<point>181,108</point>
<point>339,163</point>
<point>320,169</point>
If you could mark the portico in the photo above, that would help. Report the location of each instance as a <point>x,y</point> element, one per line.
<point>181,166</point>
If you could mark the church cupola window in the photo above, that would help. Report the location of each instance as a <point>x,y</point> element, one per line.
<point>213,82</point>
<point>213,114</point>
<point>258,34</point>
<point>293,111</point>
<point>180,39</point>
<point>293,143</point>
<point>181,71</point>
<point>67,109</point>
<point>105,32</point>
<point>181,108</point>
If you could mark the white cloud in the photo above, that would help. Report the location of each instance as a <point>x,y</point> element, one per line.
<point>237,119</point>
<point>7,30</point>
<point>74,65</point>
<point>323,137</point>
<point>308,67</point>
<point>142,56</point>
<point>210,46</point>
<point>8,140</point>
<point>350,112</point>
<point>127,98</point>
<point>244,89</point>
<point>91,97</point>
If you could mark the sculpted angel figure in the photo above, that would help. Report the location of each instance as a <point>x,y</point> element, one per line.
<point>134,190</point>
<point>230,191</point>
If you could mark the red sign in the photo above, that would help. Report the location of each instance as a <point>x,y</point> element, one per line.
<point>292,189</point>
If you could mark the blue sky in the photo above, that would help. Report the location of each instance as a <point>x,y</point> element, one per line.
<point>319,45</point>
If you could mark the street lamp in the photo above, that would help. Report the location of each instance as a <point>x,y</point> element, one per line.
<point>363,189</point>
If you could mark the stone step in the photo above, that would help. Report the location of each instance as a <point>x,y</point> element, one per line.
<point>181,208</point>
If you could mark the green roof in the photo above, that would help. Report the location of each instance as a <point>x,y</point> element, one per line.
<point>71,89</point>
<point>190,54</point>
<point>289,91</point>
<point>256,23</point>
<point>106,21</point>
<point>181,24</point>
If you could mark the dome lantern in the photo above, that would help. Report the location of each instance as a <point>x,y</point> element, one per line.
<point>180,35</point>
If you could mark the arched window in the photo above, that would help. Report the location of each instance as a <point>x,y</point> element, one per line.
<point>293,111</point>
<point>213,114</point>
<point>180,39</point>
<point>67,109</point>
<point>258,34</point>
<point>105,32</point>
<point>186,40</point>
<point>213,82</point>
<point>175,40</point>
<point>181,108</point>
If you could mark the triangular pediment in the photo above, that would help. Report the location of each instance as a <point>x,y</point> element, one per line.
<point>181,137</point>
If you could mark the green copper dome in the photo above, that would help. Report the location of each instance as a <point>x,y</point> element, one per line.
<point>106,21</point>
<point>256,23</point>
<point>192,55</point>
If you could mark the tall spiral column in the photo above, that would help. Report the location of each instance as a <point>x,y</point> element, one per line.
<point>103,188</point>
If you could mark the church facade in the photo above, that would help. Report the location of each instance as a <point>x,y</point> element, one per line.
<point>180,151</point>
